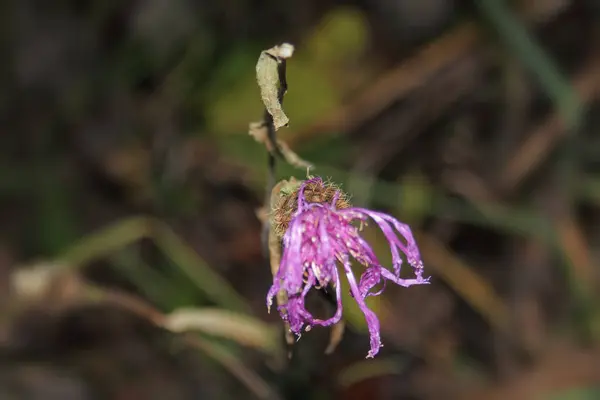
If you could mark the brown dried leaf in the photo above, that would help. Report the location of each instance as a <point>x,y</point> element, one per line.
<point>267,76</point>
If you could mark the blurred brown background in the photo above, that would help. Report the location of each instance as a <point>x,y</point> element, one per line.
<point>130,254</point>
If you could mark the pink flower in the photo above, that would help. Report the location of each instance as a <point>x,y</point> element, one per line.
<point>319,238</point>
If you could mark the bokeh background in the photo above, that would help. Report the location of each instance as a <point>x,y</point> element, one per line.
<point>130,254</point>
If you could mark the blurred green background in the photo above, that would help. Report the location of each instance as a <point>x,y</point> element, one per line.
<point>130,253</point>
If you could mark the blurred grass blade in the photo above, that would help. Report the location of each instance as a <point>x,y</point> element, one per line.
<point>211,283</point>
<point>472,287</point>
<point>249,378</point>
<point>147,280</point>
<point>366,369</point>
<point>219,353</point>
<point>352,313</point>
<point>516,37</point>
<point>125,232</point>
<point>105,241</point>
<point>591,393</point>
<point>240,328</point>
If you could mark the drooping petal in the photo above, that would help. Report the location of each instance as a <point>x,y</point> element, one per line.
<point>369,279</point>
<point>419,280</point>
<point>272,293</point>
<point>361,250</point>
<point>370,316</point>
<point>291,269</point>
<point>322,267</point>
<point>295,312</point>
<point>411,249</point>
<point>413,254</point>
<point>389,234</point>
<point>338,313</point>
<point>298,316</point>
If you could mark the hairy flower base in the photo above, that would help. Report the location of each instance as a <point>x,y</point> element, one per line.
<point>319,238</point>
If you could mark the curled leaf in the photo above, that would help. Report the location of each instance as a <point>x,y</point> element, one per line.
<point>269,81</point>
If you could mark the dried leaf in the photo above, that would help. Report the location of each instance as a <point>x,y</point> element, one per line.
<point>260,133</point>
<point>241,328</point>
<point>237,368</point>
<point>267,76</point>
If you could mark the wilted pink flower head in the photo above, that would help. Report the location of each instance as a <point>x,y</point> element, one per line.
<point>320,236</point>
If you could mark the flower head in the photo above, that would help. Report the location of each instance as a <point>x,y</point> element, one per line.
<point>320,236</point>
